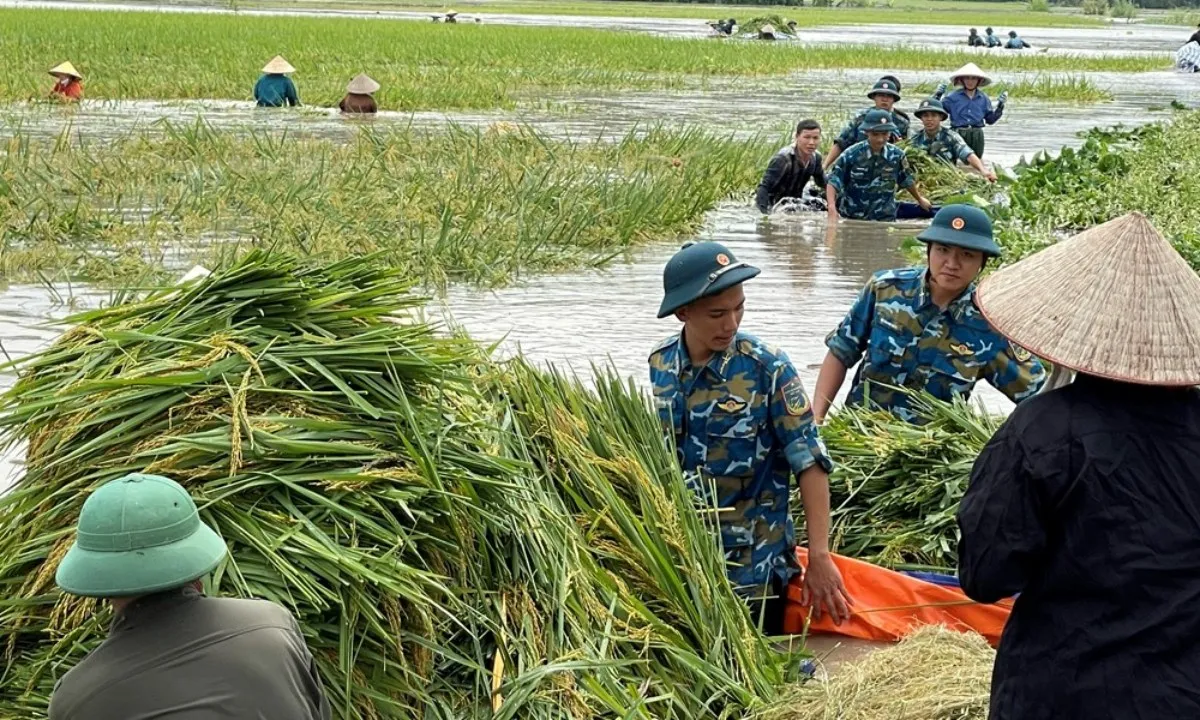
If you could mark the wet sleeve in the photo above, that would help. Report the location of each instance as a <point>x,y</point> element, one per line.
<point>993,113</point>
<point>1015,372</point>
<point>904,175</point>
<point>292,97</point>
<point>770,179</point>
<point>791,418</point>
<point>1000,521</point>
<point>848,341</point>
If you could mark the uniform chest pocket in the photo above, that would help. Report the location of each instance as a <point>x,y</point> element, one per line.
<point>732,449</point>
<point>889,345</point>
<point>861,175</point>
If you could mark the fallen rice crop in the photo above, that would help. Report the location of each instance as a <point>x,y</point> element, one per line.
<point>1055,88</point>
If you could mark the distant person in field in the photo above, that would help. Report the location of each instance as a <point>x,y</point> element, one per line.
<point>792,168</point>
<point>359,100</point>
<point>1014,42</point>
<point>766,32</point>
<point>275,88</point>
<point>1188,57</point>
<point>973,39</point>
<point>992,39</point>
<point>1195,38</point>
<point>172,651</point>
<point>68,83</point>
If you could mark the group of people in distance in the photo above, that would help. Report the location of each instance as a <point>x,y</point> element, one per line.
<point>273,89</point>
<point>865,168</point>
<point>1014,41</point>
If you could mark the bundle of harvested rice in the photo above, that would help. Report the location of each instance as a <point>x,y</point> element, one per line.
<point>934,674</point>
<point>942,182</point>
<point>458,539</point>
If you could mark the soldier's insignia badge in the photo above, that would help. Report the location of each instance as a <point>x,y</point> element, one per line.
<point>1021,354</point>
<point>958,223</point>
<point>722,259</point>
<point>961,348</point>
<point>732,405</point>
<point>794,397</point>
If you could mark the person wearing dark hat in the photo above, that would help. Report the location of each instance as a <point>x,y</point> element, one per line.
<point>885,94</point>
<point>992,40</point>
<point>792,168</point>
<point>918,328</point>
<point>943,143</point>
<point>742,427</point>
<point>973,39</point>
<point>1014,42</point>
<point>1195,38</point>
<point>172,651</point>
<point>1085,504</point>
<point>863,182</point>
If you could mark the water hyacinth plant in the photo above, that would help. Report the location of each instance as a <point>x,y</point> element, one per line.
<point>458,539</point>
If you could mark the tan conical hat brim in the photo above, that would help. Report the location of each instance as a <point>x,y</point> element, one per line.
<point>362,85</point>
<point>278,66</point>
<point>66,69</point>
<point>767,30</point>
<point>1115,301</point>
<point>971,70</point>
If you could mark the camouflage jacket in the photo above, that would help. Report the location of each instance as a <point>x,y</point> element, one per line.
<point>947,145</point>
<point>866,182</point>
<point>853,132</point>
<point>742,426</point>
<point>909,341</point>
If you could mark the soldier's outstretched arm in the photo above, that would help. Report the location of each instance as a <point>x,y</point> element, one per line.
<point>829,382</point>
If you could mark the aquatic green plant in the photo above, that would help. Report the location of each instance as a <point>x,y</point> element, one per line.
<point>1055,88</point>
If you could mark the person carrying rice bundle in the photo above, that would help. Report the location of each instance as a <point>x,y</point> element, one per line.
<point>1085,504</point>
<point>274,88</point>
<point>171,650</point>
<point>885,94</point>
<point>742,426</point>
<point>863,182</point>
<point>919,328</point>
<point>942,143</point>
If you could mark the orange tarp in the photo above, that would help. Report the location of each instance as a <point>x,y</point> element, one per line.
<point>889,605</point>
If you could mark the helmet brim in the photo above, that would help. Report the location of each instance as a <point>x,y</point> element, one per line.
<point>957,238</point>
<point>691,292</point>
<point>127,573</point>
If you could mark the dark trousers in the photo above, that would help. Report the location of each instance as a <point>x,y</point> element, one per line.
<point>767,613</point>
<point>973,136</point>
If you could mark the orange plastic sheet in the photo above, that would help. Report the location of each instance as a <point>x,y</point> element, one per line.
<point>889,605</point>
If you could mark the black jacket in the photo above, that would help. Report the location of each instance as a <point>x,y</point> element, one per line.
<point>786,177</point>
<point>1087,503</point>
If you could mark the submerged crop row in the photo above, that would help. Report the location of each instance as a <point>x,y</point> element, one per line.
<point>457,204</point>
<point>423,65</point>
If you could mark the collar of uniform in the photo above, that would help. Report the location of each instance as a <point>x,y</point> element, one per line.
<point>958,307</point>
<point>718,363</point>
<point>149,607</point>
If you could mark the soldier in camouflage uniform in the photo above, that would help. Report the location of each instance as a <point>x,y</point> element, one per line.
<point>919,328</point>
<point>943,143</point>
<point>862,184</point>
<point>885,94</point>
<point>742,426</point>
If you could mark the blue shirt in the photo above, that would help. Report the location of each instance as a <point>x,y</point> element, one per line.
<point>866,181</point>
<point>946,145</point>
<point>908,341</point>
<point>275,91</point>
<point>971,112</point>
<point>742,426</point>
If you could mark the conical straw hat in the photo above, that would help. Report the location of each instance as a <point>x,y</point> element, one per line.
<point>362,85</point>
<point>971,70</point>
<point>1115,301</point>
<point>65,69</point>
<point>278,66</point>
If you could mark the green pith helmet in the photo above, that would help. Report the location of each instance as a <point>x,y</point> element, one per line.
<point>964,226</point>
<point>136,535</point>
<point>879,120</point>
<point>990,31</point>
<point>1012,33</point>
<point>700,270</point>
<point>931,105</point>
<point>885,86</point>
<point>894,80</point>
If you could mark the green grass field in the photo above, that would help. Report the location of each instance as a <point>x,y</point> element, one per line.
<point>421,66</point>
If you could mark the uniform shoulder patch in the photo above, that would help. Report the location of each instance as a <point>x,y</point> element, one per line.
<point>794,397</point>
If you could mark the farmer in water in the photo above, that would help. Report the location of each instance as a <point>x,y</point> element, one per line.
<point>973,39</point>
<point>1086,502</point>
<point>992,40</point>
<point>742,426</point>
<point>275,88</point>
<point>885,94</point>
<point>171,650</point>
<point>969,107</point>
<point>942,143</point>
<point>68,83</point>
<point>792,168</point>
<point>1014,42</point>
<point>919,328</point>
<point>862,183</point>
<point>358,100</point>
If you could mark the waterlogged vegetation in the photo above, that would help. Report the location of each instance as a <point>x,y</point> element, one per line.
<point>423,66</point>
<point>1054,88</point>
<point>471,205</point>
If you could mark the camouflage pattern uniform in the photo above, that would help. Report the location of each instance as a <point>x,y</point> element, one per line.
<point>866,183</point>
<point>743,425</point>
<point>853,133</point>
<point>947,145</point>
<point>911,342</point>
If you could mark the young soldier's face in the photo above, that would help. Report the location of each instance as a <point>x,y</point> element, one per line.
<point>877,139</point>
<point>807,141</point>
<point>883,101</point>
<point>953,268</point>
<point>931,120</point>
<point>713,321</point>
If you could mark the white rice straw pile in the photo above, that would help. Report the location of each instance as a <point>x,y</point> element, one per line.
<point>934,674</point>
